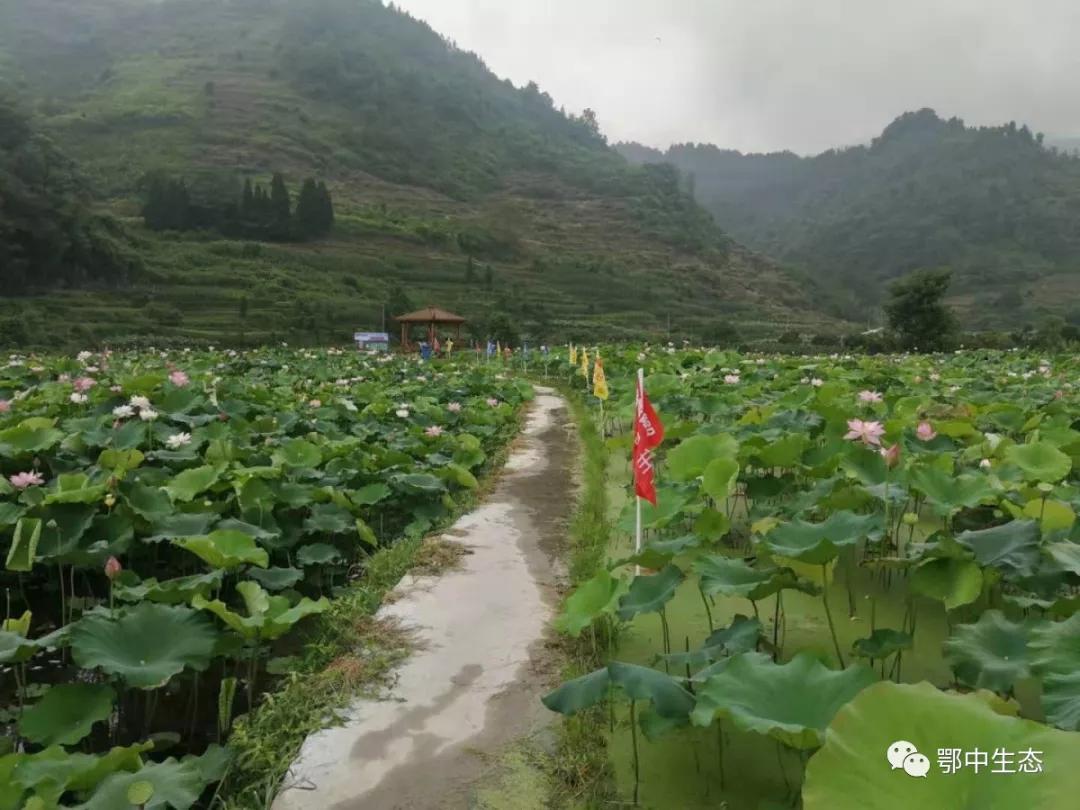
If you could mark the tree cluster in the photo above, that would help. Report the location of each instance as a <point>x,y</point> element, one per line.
<point>256,213</point>
<point>48,235</point>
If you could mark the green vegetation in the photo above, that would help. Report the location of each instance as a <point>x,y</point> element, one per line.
<point>169,524</point>
<point>916,312</point>
<point>995,204</point>
<point>845,552</point>
<point>434,165</point>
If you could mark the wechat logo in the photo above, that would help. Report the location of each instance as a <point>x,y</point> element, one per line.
<point>902,754</point>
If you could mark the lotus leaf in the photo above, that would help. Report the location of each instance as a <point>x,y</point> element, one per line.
<point>596,597</point>
<point>145,646</point>
<point>850,771</point>
<point>990,654</point>
<point>792,702</point>
<point>650,592</point>
<point>1040,461</point>
<point>820,543</point>
<point>225,549</point>
<point>1055,657</point>
<point>66,713</point>
<point>1012,548</point>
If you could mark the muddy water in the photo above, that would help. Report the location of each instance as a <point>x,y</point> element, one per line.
<point>472,686</point>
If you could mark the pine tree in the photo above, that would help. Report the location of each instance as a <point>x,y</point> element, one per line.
<point>280,207</point>
<point>309,211</point>
<point>247,201</point>
<point>327,218</point>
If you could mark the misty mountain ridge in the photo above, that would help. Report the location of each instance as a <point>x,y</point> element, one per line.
<point>997,204</point>
<point>450,186</point>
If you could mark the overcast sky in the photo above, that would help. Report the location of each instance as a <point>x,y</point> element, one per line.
<point>760,75</point>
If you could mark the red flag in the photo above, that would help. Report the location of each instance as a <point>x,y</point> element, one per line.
<point>648,433</point>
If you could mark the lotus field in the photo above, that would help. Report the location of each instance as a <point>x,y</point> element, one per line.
<point>171,522</point>
<point>859,586</point>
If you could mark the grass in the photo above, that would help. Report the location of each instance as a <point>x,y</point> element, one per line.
<point>580,763</point>
<point>349,653</point>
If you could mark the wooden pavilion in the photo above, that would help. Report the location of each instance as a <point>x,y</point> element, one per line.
<point>433,317</point>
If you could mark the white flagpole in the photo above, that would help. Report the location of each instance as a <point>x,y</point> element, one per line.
<point>637,499</point>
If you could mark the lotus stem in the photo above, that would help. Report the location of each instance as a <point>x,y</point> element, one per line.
<point>708,610</point>
<point>720,751</point>
<point>783,770</point>
<point>757,615</point>
<point>776,628</point>
<point>828,613</point>
<point>633,738</point>
<point>849,576</point>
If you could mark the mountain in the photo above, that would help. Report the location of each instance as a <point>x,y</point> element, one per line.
<point>996,204</point>
<point>449,185</point>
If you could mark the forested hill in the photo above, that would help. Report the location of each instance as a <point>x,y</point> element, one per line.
<point>449,185</point>
<point>994,203</point>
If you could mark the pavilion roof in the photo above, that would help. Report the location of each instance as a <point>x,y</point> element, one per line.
<point>430,315</point>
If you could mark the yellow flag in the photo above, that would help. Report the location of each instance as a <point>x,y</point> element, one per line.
<point>573,355</point>
<point>599,380</point>
<point>585,365</point>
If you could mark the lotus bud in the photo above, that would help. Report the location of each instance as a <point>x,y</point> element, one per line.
<point>891,455</point>
<point>110,500</point>
<point>910,519</point>
<point>113,568</point>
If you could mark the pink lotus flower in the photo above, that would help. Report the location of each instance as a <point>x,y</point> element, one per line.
<point>865,432</point>
<point>925,431</point>
<point>494,403</point>
<point>434,431</point>
<point>731,379</point>
<point>869,396</point>
<point>113,568</point>
<point>26,479</point>
<point>315,403</point>
<point>116,389</point>
<point>84,384</point>
<point>179,379</point>
<point>5,405</point>
<point>454,407</point>
<point>891,455</point>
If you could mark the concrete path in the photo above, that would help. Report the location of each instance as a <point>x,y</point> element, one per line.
<point>473,683</point>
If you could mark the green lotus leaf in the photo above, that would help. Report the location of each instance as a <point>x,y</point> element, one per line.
<point>820,543</point>
<point>75,488</point>
<point>329,518</point>
<point>276,579</point>
<point>792,702</point>
<point>719,478</point>
<point>10,513</point>
<point>268,617</point>
<point>175,785</point>
<point>420,482</point>
<point>950,580</point>
<point>66,713</point>
<point>579,693</point>
<point>212,764</point>
<point>139,793</point>
<point>298,453</point>
<point>191,483</point>
<point>1055,657</point>
<point>24,544</point>
<point>225,549</point>
<point>152,503</point>
<point>729,576</point>
<point>851,772</point>
<point>178,591</point>
<point>787,451</point>
<point>738,637</point>
<point>1012,548</point>
<point>1039,461</point>
<point>460,476</point>
<point>370,495</point>
<point>650,592</point>
<point>53,772</point>
<point>711,525</point>
<point>317,554</point>
<point>949,493</point>
<point>1052,515</point>
<point>882,643</point>
<point>23,440</point>
<point>120,461</point>
<point>990,654</point>
<point>690,457</point>
<point>667,697</point>
<point>596,597</point>
<point>16,648</point>
<point>181,524</point>
<point>145,646</point>
<point>1065,556</point>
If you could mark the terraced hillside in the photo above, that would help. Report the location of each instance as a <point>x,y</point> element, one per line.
<point>448,183</point>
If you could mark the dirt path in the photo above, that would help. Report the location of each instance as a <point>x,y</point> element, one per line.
<point>472,685</point>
